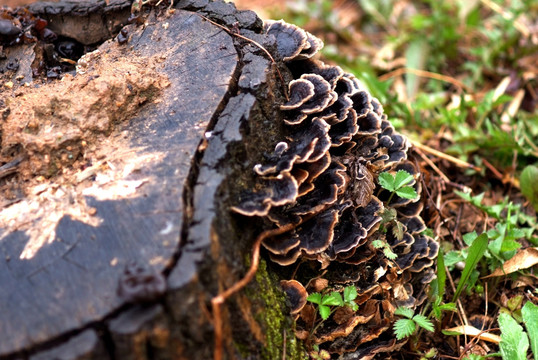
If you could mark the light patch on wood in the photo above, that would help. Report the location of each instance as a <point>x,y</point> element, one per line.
<point>40,212</point>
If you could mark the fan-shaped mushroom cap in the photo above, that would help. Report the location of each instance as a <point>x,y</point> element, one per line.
<point>290,40</point>
<point>313,236</point>
<point>293,43</point>
<point>309,144</point>
<point>300,91</point>
<point>296,294</point>
<point>278,190</point>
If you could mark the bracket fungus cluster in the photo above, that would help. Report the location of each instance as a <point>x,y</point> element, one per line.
<point>321,181</point>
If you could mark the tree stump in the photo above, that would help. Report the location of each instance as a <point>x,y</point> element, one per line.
<point>115,229</point>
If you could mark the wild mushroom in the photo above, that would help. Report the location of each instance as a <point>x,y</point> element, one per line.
<point>296,294</point>
<point>335,142</point>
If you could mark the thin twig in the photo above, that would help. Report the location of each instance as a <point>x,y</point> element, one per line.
<point>258,45</point>
<point>426,74</point>
<point>218,300</point>
<point>442,155</point>
<point>432,165</point>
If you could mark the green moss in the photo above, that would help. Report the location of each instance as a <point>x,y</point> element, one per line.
<point>274,318</point>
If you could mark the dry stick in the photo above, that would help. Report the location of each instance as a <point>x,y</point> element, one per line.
<point>218,300</point>
<point>258,45</point>
<point>432,165</point>
<point>426,74</point>
<point>442,155</point>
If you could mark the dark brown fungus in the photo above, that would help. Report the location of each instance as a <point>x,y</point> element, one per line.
<point>310,49</point>
<point>321,180</point>
<point>290,39</point>
<point>300,91</point>
<point>279,190</point>
<point>296,294</point>
<point>323,95</point>
<point>139,283</point>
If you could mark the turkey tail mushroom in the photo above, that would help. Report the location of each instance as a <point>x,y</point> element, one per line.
<point>322,176</point>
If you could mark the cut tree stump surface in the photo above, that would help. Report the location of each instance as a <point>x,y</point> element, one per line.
<point>71,282</point>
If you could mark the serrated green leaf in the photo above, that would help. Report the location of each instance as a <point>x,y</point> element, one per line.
<point>389,254</point>
<point>423,322</point>
<point>453,257</point>
<point>350,293</point>
<point>324,311</point>
<point>529,185</point>
<point>378,244</point>
<point>398,230</point>
<point>530,318</point>
<point>404,328</point>
<point>386,181</point>
<point>509,245</point>
<point>402,178</point>
<point>469,237</point>
<point>314,298</point>
<point>332,299</point>
<point>514,341</point>
<point>407,192</point>
<point>476,251</point>
<point>404,311</point>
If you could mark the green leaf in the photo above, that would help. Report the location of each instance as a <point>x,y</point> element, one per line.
<point>350,293</point>
<point>469,237</point>
<point>324,311</point>
<point>314,298</point>
<point>476,251</point>
<point>530,318</point>
<point>378,244</point>
<point>529,185</point>
<point>448,307</point>
<point>402,178</point>
<point>407,192</point>
<point>403,328</point>
<point>398,231</point>
<point>423,322</point>
<point>332,299</point>
<point>416,56</point>
<point>386,181</point>
<point>514,341</point>
<point>353,305</point>
<point>404,311</point>
<point>453,257</point>
<point>389,254</point>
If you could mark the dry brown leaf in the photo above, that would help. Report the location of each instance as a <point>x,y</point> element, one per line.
<point>522,260</point>
<point>472,331</point>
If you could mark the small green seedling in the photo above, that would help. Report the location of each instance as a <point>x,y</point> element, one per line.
<point>385,247</point>
<point>398,184</point>
<point>406,327</point>
<point>334,299</point>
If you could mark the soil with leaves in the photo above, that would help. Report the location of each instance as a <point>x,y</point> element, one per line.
<point>459,78</point>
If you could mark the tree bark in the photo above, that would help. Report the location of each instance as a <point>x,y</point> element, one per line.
<point>148,189</point>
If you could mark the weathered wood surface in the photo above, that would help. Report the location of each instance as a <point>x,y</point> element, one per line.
<point>63,301</point>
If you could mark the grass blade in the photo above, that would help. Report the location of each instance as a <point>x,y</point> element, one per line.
<point>476,251</point>
<point>441,275</point>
